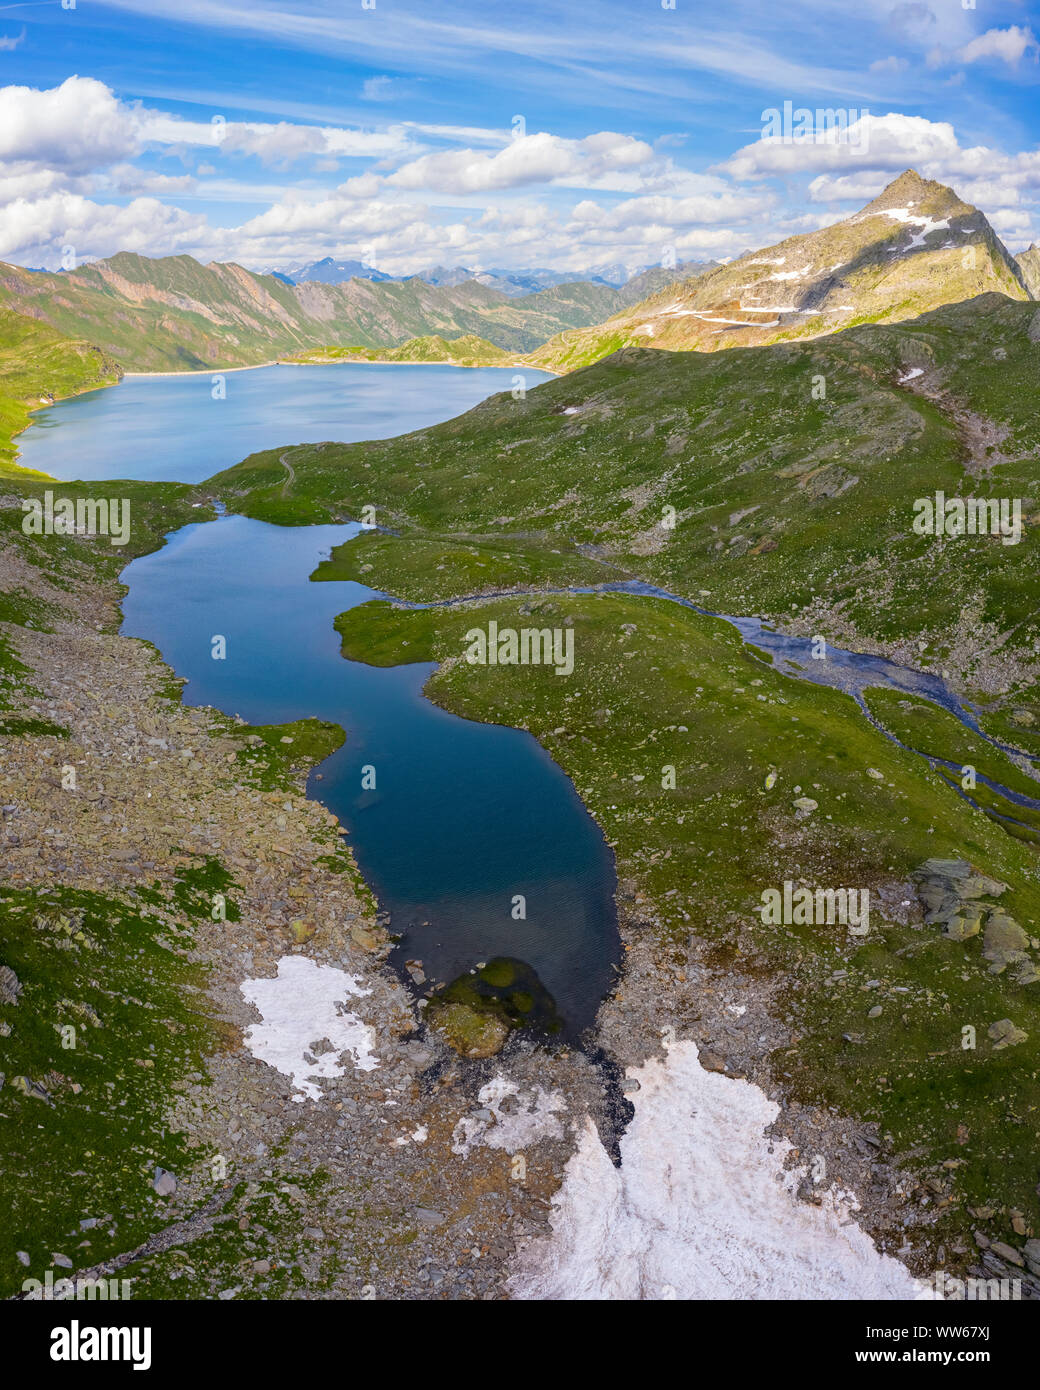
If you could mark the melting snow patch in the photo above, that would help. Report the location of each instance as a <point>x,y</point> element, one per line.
<point>417,1136</point>
<point>530,1117</point>
<point>571,409</point>
<point>736,323</point>
<point>700,1208</point>
<point>301,1006</point>
<point>789,274</point>
<point>909,376</point>
<point>918,219</point>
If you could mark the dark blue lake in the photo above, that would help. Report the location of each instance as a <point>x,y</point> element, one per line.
<point>464,815</point>
<point>171,427</point>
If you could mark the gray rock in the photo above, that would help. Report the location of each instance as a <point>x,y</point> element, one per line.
<point>164,1183</point>
<point>1004,942</point>
<point>1006,1252</point>
<point>425,1216</point>
<point>1005,1034</point>
<point>10,986</point>
<point>965,922</point>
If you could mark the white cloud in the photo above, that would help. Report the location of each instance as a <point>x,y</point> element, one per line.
<point>889,65</point>
<point>540,158</point>
<point>65,150</point>
<point>893,141</point>
<point>1007,45</point>
<point>75,127</point>
<point>34,232</point>
<point>670,212</point>
<point>377,89</point>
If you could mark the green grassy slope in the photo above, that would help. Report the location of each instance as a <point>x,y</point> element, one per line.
<point>780,503</point>
<point>37,365</point>
<point>465,351</point>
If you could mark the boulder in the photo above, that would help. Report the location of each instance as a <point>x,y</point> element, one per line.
<point>1005,1034</point>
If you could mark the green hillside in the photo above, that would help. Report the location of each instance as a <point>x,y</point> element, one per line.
<point>783,503</point>
<point>465,351</point>
<point>38,365</point>
<point>175,314</point>
<point>778,481</point>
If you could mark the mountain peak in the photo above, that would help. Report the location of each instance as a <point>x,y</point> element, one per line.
<point>911,190</point>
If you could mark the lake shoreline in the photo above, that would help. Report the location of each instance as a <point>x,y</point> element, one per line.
<point>332,362</point>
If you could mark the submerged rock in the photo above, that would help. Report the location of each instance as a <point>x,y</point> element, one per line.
<point>473,1032</point>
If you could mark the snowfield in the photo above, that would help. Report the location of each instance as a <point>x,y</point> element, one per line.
<point>700,1208</point>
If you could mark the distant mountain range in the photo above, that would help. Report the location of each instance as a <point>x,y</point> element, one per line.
<point>513,283</point>
<point>914,248</point>
<point>173,313</point>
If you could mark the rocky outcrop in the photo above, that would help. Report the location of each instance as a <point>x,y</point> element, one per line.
<point>957,896</point>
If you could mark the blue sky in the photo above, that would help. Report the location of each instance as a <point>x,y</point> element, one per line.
<point>569,135</point>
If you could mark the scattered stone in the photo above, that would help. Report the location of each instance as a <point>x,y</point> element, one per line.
<point>1005,1034</point>
<point>426,1216</point>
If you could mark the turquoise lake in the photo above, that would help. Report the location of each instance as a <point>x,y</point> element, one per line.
<point>172,428</point>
